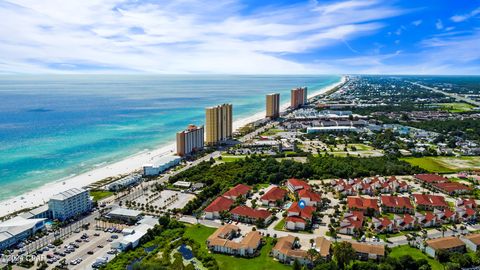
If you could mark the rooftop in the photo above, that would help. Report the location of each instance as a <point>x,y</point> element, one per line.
<point>445,243</point>
<point>68,194</point>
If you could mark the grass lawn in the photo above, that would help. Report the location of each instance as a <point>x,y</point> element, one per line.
<point>456,107</point>
<point>445,164</point>
<point>231,158</point>
<point>271,132</point>
<point>416,254</point>
<point>100,194</point>
<point>279,226</point>
<point>200,233</point>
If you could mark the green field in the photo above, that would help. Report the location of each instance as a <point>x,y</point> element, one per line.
<point>200,233</point>
<point>445,164</point>
<point>416,254</point>
<point>271,132</point>
<point>456,107</point>
<point>231,158</point>
<point>100,194</point>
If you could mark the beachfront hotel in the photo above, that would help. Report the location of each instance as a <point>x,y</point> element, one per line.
<point>298,97</point>
<point>189,140</point>
<point>273,105</point>
<point>218,123</point>
<point>70,203</point>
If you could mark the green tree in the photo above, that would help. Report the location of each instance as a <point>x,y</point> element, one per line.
<point>343,253</point>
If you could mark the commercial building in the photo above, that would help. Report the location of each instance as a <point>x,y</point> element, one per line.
<point>190,140</point>
<point>132,240</point>
<point>160,165</point>
<point>17,229</point>
<point>333,129</point>
<point>71,203</point>
<point>125,215</point>
<point>298,97</point>
<point>218,123</point>
<point>273,105</point>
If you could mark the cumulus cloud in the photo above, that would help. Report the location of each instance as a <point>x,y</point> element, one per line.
<point>185,36</point>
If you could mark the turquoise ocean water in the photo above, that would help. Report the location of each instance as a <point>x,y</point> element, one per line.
<point>52,127</point>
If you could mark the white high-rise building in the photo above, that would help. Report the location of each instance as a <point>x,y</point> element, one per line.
<point>70,203</point>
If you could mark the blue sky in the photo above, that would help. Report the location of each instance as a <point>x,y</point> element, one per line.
<point>240,37</point>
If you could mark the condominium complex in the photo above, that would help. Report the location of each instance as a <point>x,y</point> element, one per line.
<point>273,105</point>
<point>190,140</point>
<point>218,123</point>
<point>70,203</point>
<point>298,97</point>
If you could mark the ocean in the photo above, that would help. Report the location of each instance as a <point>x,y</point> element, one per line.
<point>57,126</point>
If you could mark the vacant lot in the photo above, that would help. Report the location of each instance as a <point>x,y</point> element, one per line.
<point>445,164</point>
<point>456,107</point>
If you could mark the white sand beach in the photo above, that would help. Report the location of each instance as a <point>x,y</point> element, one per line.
<point>41,195</point>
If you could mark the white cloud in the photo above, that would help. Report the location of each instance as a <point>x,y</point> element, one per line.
<point>417,22</point>
<point>183,36</point>
<point>439,24</point>
<point>464,17</point>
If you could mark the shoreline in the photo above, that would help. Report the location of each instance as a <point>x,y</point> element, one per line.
<point>42,194</point>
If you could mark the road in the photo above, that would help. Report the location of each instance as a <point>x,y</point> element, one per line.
<point>455,96</point>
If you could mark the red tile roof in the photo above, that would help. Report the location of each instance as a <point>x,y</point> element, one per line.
<point>238,190</point>
<point>295,219</point>
<point>306,212</point>
<point>407,219</point>
<point>249,212</point>
<point>396,201</point>
<point>355,218</point>
<point>219,204</point>
<point>298,183</point>
<point>450,187</point>
<point>430,200</point>
<point>431,178</point>
<point>313,196</point>
<point>274,194</point>
<point>362,203</point>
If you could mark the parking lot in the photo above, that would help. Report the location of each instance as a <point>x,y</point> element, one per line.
<point>81,253</point>
<point>169,199</point>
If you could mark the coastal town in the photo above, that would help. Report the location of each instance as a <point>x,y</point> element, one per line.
<point>375,170</point>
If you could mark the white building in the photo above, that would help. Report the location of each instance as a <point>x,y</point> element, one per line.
<point>70,203</point>
<point>124,182</point>
<point>139,231</point>
<point>17,229</point>
<point>160,165</point>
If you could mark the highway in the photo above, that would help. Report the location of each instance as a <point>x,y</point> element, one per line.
<point>455,96</point>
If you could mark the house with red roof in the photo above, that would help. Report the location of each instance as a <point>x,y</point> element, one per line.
<point>452,188</point>
<point>350,222</point>
<point>247,214</point>
<point>295,185</point>
<point>465,213</point>
<point>396,204</point>
<point>239,190</point>
<point>310,197</point>
<point>274,197</point>
<point>220,204</point>
<point>470,202</point>
<point>430,202</point>
<point>429,178</point>
<point>366,205</point>
<point>405,222</point>
<point>445,216</point>
<point>298,218</point>
<point>426,220</point>
<point>383,224</point>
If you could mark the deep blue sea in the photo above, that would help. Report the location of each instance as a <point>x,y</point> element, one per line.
<point>52,127</point>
